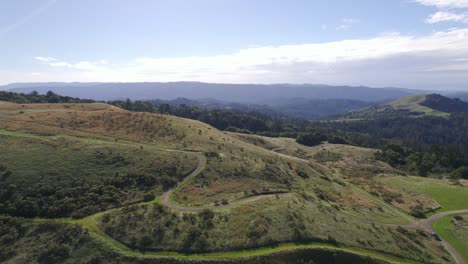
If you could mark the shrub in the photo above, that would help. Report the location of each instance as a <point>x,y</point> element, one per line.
<point>460,173</point>
<point>54,254</point>
<point>310,139</point>
<point>148,197</point>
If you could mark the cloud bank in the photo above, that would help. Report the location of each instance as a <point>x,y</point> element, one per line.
<point>445,3</point>
<point>442,16</point>
<point>437,60</point>
<point>447,14</point>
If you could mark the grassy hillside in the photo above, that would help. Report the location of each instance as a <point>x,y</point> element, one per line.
<point>241,201</point>
<point>414,104</point>
<point>273,220</point>
<point>411,106</point>
<point>358,166</point>
<point>57,176</point>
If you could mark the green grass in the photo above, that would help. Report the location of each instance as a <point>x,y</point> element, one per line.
<point>312,210</point>
<point>412,103</point>
<point>289,146</point>
<point>90,223</point>
<point>61,175</point>
<point>450,197</point>
<point>263,223</point>
<point>457,236</point>
<point>56,160</point>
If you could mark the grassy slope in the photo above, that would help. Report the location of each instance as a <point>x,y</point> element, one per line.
<point>412,103</point>
<point>409,106</point>
<point>83,247</point>
<point>449,196</point>
<point>265,222</point>
<point>290,147</point>
<point>250,164</point>
<point>456,235</point>
<point>58,160</point>
<point>358,165</point>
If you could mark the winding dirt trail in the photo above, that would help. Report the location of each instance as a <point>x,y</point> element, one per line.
<point>426,225</point>
<point>166,197</point>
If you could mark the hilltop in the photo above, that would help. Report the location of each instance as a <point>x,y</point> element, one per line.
<point>413,106</point>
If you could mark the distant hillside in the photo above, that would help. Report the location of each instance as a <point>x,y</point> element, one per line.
<point>317,108</point>
<point>294,108</point>
<point>244,93</point>
<point>445,104</point>
<point>460,95</point>
<point>415,105</point>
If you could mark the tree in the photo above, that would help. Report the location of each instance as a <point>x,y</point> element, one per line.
<point>310,139</point>
<point>460,173</point>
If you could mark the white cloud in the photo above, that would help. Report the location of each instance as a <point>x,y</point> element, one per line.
<point>45,59</point>
<point>436,61</point>
<point>445,3</point>
<point>443,16</point>
<point>346,23</point>
<point>82,65</point>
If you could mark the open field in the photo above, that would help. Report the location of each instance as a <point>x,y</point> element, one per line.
<point>450,196</point>
<point>455,232</point>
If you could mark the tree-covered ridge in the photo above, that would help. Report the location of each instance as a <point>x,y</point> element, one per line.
<point>34,97</point>
<point>445,104</point>
<point>248,121</point>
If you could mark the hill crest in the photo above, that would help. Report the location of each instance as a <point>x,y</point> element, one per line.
<point>412,106</point>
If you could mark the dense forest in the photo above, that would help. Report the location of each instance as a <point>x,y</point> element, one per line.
<point>248,121</point>
<point>431,144</point>
<point>445,104</point>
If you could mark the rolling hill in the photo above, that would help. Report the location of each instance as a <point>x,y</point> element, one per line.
<point>413,106</point>
<point>93,183</point>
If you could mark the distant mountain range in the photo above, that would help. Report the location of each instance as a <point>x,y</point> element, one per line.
<point>242,93</point>
<point>309,101</point>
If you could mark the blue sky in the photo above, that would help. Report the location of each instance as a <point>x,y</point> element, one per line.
<point>405,43</point>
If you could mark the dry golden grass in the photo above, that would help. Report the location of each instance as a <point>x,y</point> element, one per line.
<point>96,120</point>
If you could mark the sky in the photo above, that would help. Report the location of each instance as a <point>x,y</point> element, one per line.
<point>420,44</point>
